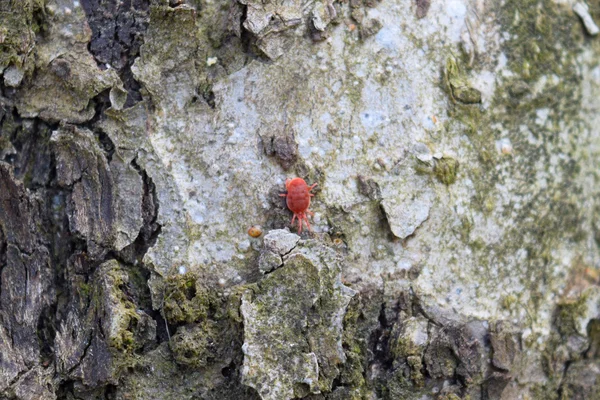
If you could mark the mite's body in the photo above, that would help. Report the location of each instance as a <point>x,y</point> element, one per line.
<point>298,200</point>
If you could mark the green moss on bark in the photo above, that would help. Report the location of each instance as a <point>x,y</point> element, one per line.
<point>186,299</point>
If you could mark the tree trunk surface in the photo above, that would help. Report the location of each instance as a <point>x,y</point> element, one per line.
<point>146,252</point>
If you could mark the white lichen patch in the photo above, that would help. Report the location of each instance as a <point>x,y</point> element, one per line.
<point>407,212</point>
<point>582,10</point>
<point>280,241</point>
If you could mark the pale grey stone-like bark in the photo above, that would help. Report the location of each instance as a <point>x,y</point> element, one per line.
<point>293,324</point>
<point>454,251</point>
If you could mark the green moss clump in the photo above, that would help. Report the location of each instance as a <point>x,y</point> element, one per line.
<point>186,300</point>
<point>550,25</point>
<point>20,22</point>
<point>457,85</point>
<point>567,315</point>
<point>446,169</point>
<point>508,301</point>
<point>210,324</point>
<point>118,314</point>
<point>466,94</point>
<point>83,289</point>
<point>593,332</point>
<point>359,322</point>
<point>195,345</point>
<point>122,339</point>
<point>416,365</point>
<point>402,346</point>
<point>352,373</point>
<point>397,387</point>
<point>544,392</point>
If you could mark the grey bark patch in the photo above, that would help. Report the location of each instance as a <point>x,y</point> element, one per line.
<point>32,385</point>
<point>97,367</point>
<point>460,349</point>
<point>439,358</point>
<point>368,187</point>
<point>127,203</point>
<point>582,380</point>
<point>423,8</point>
<point>280,241</point>
<point>294,317</point>
<point>286,150</point>
<point>118,29</point>
<point>320,16</point>
<point>455,349</point>
<point>105,205</point>
<point>13,76</point>
<point>26,280</point>
<point>407,212</point>
<point>66,78</point>
<point>269,261</point>
<point>194,345</point>
<point>506,345</point>
<point>33,161</point>
<point>275,27</point>
<point>410,338</point>
<point>345,79</point>
<point>495,384</point>
<point>270,25</point>
<point>369,27</point>
<point>101,329</point>
<point>282,146</point>
<point>277,243</point>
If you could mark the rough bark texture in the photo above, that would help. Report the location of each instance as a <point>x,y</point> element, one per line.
<point>455,245</point>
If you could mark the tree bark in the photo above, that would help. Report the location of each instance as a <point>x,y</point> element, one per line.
<point>146,252</point>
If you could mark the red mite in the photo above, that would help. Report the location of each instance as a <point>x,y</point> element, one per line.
<point>298,200</point>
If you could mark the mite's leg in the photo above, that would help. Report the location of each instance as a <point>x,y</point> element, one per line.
<point>307,223</point>
<point>301,218</point>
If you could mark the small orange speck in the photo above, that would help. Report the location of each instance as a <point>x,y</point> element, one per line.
<point>434,119</point>
<point>593,275</point>
<point>255,231</point>
<point>351,27</point>
<point>506,150</point>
